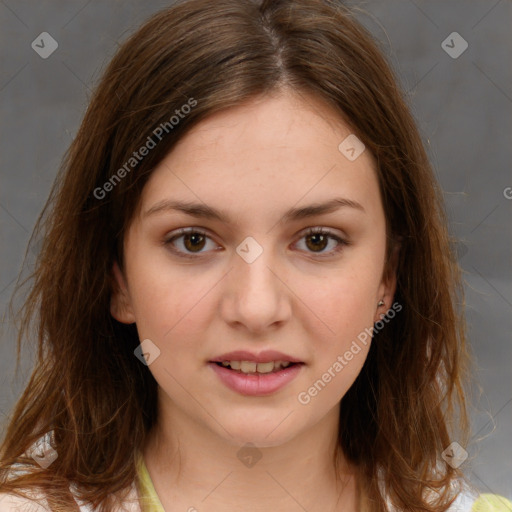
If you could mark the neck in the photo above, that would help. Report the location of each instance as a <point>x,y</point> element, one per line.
<point>192,468</point>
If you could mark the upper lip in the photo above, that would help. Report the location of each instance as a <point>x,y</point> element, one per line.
<point>261,357</point>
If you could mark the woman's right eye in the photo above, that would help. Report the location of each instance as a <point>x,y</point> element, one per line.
<point>193,241</point>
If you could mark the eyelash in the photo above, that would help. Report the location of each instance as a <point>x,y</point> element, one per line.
<point>311,231</point>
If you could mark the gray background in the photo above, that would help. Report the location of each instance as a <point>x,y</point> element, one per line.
<point>463,107</point>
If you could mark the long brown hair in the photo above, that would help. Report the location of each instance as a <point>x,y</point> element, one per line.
<point>89,388</point>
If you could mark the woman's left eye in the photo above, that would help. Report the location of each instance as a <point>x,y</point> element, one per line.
<point>194,241</point>
<point>318,239</point>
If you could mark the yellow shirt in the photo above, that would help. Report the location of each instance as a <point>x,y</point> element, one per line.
<point>149,501</point>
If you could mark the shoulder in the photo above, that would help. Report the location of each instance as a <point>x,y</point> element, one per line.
<point>470,500</point>
<point>464,501</point>
<point>37,502</point>
<point>15,503</point>
<point>129,504</point>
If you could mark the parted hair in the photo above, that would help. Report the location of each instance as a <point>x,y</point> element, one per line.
<point>87,387</point>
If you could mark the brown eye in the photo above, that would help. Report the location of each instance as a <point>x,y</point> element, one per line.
<point>193,242</point>
<point>189,242</point>
<point>318,242</point>
<point>318,239</point>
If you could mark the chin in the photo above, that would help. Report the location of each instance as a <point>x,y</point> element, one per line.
<point>263,434</point>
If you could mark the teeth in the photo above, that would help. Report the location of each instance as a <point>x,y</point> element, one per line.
<point>265,367</point>
<point>248,366</point>
<point>252,367</point>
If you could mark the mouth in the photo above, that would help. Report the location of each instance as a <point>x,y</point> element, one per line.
<point>255,378</point>
<point>256,374</point>
<point>254,368</point>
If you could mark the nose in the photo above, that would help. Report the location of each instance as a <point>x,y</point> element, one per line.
<point>256,296</point>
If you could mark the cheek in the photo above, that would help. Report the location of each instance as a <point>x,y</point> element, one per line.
<point>338,323</point>
<point>171,307</point>
<point>341,306</point>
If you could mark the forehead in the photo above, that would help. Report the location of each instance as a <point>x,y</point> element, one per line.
<point>284,123</point>
<point>254,157</point>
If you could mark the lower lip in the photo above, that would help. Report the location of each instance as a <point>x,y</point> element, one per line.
<point>256,385</point>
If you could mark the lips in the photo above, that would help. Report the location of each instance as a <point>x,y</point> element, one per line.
<point>250,374</point>
<point>256,384</point>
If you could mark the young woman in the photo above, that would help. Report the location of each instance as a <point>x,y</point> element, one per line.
<point>245,298</point>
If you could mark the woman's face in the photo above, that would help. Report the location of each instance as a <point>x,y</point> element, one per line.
<point>249,277</point>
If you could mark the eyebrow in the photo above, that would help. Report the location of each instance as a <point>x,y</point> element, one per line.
<point>202,210</point>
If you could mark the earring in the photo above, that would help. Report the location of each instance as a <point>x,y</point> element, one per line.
<point>381,303</point>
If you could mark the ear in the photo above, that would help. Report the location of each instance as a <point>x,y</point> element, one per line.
<point>120,302</point>
<point>387,287</point>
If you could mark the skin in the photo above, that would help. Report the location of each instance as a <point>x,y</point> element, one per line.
<point>255,162</point>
